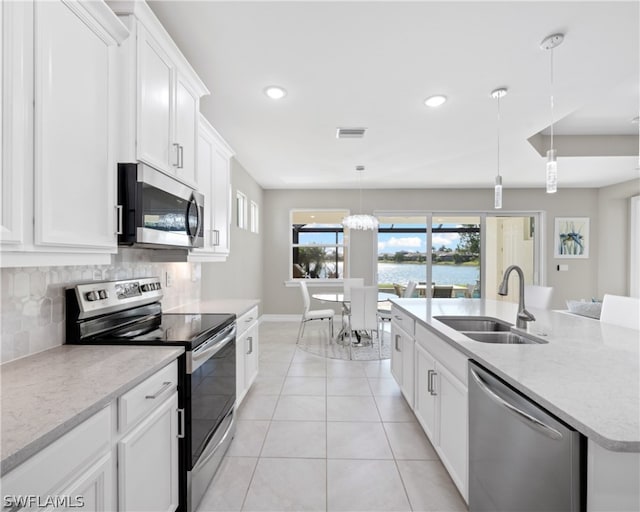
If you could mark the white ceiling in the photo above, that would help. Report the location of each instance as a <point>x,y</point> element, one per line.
<point>371,64</point>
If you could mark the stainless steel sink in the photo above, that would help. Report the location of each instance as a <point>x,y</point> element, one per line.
<point>505,338</point>
<point>475,323</point>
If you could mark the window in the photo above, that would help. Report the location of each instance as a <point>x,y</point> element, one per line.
<point>318,244</point>
<point>254,217</point>
<point>241,210</point>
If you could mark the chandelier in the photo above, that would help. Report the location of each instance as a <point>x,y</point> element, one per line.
<point>361,221</point>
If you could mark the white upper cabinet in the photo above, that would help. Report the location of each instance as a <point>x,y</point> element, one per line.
<point>59,207</point>
<point>154,103</point>
<point>160,98</point>
<point>214,181</point>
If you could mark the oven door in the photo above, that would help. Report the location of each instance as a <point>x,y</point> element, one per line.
<point>157,210</point>
<point>211,390</point>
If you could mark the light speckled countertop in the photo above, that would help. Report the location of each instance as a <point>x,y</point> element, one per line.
<point>45,395</point>
<point>237,306</point>
<point>588,374</point>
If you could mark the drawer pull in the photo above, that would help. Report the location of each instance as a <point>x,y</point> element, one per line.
<point>249,320</point>
<point>397,317</point>
<point>397,339</point>
<point>165,386</point>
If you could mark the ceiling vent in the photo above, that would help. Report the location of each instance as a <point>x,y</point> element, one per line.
<point>350,133</point>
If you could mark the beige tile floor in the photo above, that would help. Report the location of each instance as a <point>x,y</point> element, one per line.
<point>326,435</point>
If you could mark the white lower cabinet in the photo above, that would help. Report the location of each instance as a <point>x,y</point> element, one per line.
<point>247,350</point>
<point>98,466</point>
<point>441,401</point>
<point>148,462</point>
<point>402,353</point>
<point>79,462</point>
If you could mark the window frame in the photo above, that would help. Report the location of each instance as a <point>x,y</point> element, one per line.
<point>254,217</point>
<point>241,209</point>
<point>345,246</point>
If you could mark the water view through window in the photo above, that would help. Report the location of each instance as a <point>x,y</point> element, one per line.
<point>451,264</point>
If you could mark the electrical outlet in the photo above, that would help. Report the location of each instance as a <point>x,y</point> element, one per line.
<point>168,280</point>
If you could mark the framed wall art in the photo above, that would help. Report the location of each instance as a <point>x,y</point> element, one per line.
<point>571,237</point>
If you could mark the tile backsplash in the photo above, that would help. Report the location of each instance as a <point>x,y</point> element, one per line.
<point>32,298</point>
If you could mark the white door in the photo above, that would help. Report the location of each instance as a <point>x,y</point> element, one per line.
<point>453,413</point>
<point>148,462</point>
<point>426,393</point>
<point>187,106</point>
<point>155,104</point>
<point>75,179</point>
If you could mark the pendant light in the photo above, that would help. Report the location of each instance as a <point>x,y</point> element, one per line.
<point>497,194</point>
<point>360,221</point>
<point>549,43</point>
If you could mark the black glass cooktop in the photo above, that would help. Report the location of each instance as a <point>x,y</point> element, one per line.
<point>189,330</point>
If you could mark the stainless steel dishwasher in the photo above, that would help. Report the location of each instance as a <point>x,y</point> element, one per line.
<point>521,458</point>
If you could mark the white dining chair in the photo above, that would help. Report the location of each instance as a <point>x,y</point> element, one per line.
<point>384,309</point>
<point>309,314</point>
<point>348,283</point>
<point>538,296</point>
<point>363,314</point>
<point>622,311</point>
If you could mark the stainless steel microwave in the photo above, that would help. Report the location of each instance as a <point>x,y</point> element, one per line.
<point>156,210</point>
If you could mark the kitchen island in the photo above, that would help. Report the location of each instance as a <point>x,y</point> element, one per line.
<point>587,374</point>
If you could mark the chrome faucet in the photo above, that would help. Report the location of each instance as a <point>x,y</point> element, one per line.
<point>523,315</point>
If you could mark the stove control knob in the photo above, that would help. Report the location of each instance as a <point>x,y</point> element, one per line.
<point>158,286</point>
<point>91,296</point>
<point>103,294</point>
<point>145,288</point>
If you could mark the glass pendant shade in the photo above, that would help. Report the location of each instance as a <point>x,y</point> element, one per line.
<point>360,222</point>
<point>497,195</point>
<point>552,172</point>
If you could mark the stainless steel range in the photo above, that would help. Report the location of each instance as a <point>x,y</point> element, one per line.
<point>129,312</point>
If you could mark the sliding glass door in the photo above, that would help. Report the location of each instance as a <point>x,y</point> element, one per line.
<point>456,255</point>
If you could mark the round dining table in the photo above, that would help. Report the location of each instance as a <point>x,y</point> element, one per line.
<point>339,297</point>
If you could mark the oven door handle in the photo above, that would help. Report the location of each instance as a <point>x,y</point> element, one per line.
<point>207,350</point>
<point>211,450</point>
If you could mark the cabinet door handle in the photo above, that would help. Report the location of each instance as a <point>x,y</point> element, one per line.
<point>216,236</point>
<point>396,343</point>
<point>180,157</point>
<point>176,147</point>
<point>118,219</point>
<point>180,423</point>
<point>431,388</point>
<point>250,340</point>
<point>163,388</point>
<point>249,320</point>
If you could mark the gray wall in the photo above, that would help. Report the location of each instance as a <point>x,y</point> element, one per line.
<point>580,281</point>
<point>240,277</point>
<point>613,226</point>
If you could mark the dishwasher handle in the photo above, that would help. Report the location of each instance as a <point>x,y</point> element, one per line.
<point>525,417</point>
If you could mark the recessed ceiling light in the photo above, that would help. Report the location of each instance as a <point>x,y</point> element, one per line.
<point>435,101</point>
<point>275,92</point>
